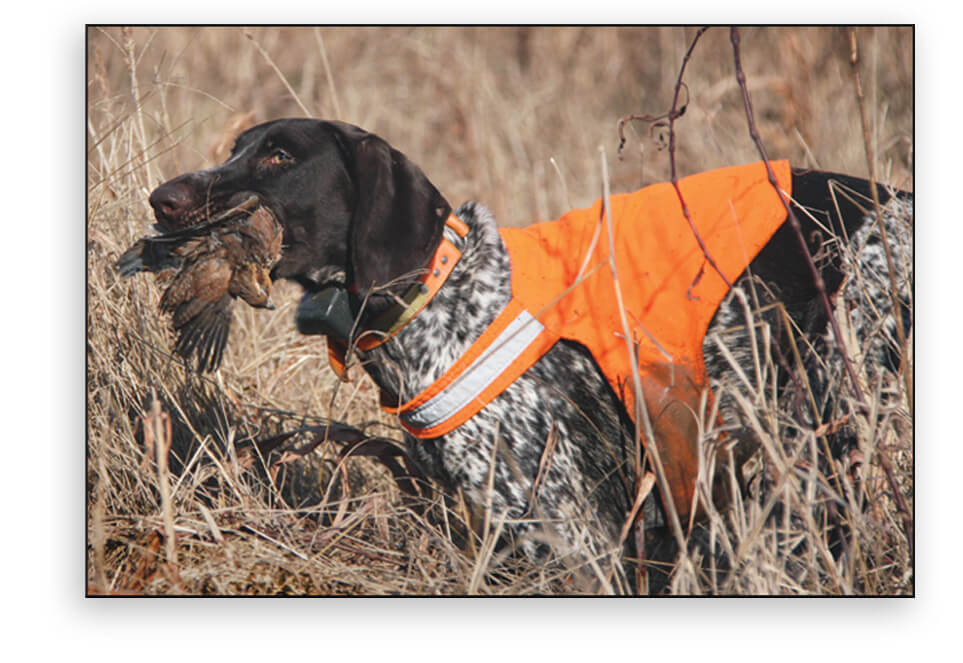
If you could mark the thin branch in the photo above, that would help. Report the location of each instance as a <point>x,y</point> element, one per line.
<point>327,72</point>
<point>871,162</point>
<point>641,408</point>
<point>907,515</point>
<point>793,221</point>
<point>284,79</point>
<point>668,119</point>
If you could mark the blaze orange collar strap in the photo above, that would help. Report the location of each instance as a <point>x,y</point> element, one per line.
<point>395,318</point>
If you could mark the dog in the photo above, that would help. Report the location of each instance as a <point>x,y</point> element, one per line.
<point>553,454</point>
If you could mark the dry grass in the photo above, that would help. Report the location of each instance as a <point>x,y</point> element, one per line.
<point>511,117</point>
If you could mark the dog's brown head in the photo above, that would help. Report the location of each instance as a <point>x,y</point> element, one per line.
<point>355,211</point>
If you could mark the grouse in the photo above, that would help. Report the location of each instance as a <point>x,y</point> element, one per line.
<point>205,268</point>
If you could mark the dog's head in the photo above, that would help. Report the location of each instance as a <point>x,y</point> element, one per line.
<point>355,211</point>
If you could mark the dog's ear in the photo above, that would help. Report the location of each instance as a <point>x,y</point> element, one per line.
<point>398,215</point>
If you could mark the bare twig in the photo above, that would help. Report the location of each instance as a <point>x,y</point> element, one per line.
<point>327,71</point>
<point>130,47</point>
<point>669,119</point>
<point>871,162</point>
<point>279,544</point>
<point>157,434</point>
<point>644,488</point>
<point>284,80</point>
<point>817,277</point>
<point>641,410</point>
<point>793,221</point>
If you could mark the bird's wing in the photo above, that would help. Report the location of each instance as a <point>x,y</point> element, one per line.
<point>147,255</point>
<point>205,334</point>
<point>200,283</point>
<point>154,254</point>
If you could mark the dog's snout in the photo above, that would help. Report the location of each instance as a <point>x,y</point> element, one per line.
<point>171,202</point>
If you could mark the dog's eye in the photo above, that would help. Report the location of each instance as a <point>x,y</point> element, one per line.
<point>278,157</point>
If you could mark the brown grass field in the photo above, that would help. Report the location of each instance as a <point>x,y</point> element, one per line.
<point>514,118</point>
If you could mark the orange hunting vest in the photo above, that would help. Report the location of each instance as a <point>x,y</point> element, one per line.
<point>564,286</point>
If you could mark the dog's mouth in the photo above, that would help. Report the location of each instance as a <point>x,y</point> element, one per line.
<point>202,218</point>
<point>222,210</point>
<point>211,213</point>
<point>217,211</point>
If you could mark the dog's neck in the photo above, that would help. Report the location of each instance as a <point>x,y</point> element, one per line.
<point>409,294</point>
<point>473,295</point>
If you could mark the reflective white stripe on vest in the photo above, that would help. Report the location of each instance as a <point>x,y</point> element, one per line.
<point>513,340</point>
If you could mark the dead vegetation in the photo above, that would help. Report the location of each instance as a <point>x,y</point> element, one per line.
<point>509,116</point>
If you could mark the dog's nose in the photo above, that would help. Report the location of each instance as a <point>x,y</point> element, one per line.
<point>170,202</point>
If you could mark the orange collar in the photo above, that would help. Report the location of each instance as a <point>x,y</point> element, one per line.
<point>412,302</point>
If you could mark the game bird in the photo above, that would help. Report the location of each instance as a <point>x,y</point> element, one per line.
<point>205,268</point>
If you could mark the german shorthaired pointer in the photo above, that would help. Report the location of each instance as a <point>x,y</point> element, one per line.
<point>362,224</point>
